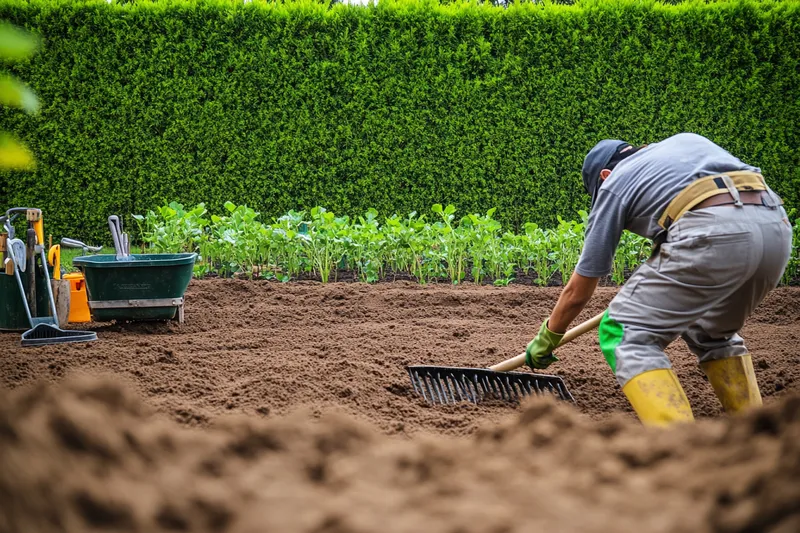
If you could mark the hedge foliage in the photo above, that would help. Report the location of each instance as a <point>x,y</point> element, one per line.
<point>290,105</point>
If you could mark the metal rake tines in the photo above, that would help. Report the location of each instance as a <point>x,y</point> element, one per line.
<point>445,385</point>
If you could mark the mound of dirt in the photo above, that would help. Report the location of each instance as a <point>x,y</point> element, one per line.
<point>265,349</point>
<point>89,455</point>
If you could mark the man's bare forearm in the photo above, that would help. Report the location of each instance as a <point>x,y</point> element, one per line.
<point>573,299</point>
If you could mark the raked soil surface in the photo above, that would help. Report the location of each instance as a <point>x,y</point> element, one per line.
<point>266,349</point>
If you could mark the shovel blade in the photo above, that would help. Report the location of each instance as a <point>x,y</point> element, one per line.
<point>449,385</point>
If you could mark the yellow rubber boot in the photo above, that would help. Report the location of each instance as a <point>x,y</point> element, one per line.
<point>658,398</point>
<point>734,382</point>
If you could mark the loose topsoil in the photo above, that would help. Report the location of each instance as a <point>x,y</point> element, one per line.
<point>291,390</point>
<point>266,348</point>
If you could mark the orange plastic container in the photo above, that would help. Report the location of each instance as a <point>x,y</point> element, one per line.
<point>78,301</point>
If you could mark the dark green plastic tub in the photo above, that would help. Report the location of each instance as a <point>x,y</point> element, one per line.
<point>12,308</point>
<point>144,287</point>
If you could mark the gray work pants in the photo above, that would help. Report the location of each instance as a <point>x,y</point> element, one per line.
<point>715,267</point>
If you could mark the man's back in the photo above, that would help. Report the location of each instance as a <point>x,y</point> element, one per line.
<point>639,189</point>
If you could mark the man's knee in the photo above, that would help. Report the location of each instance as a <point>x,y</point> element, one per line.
<point>707,348</point>
<point>631,351</point>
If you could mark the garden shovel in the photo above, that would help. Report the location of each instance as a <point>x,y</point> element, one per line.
<point>439,384</point>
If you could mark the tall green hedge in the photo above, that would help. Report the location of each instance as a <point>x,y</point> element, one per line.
<point>397,106</point>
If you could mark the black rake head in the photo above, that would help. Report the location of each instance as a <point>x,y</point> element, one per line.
<point>43,334</point>
<point>444,385</point>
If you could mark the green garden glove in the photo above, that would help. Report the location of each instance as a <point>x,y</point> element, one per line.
<point>539,354</point>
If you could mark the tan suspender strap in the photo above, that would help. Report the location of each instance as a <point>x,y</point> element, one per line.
<point>705,188</point>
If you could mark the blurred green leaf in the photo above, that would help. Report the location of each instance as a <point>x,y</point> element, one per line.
<point>14,93</point>
<point>14,155</point>
<point>16,43</point>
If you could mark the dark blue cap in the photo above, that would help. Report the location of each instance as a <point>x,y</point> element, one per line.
<point>596,160</point>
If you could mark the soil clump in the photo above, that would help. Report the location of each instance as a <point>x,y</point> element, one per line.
<point>89,455</point>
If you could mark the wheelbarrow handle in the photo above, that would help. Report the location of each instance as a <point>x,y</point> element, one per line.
<point>569,336</point>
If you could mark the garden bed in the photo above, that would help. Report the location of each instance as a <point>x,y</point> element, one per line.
<point>266,348</point>
<point>91,453</point>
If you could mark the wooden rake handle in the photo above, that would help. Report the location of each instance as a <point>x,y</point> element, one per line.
<point>574,333</point>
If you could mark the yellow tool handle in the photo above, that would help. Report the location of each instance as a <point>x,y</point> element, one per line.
<point>54,258</point>
<point>574,333</point>
<point>39,227</point>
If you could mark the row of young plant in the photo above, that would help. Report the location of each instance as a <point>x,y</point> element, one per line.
<point>434,247</point>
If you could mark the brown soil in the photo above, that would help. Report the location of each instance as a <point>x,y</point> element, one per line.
<point>265,348</point>
<point>88,456</point>
<point>92,454</point>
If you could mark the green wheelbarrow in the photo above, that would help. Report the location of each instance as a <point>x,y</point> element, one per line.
<point>136,286</point>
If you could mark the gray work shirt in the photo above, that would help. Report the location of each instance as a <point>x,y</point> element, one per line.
<point>641,187</point>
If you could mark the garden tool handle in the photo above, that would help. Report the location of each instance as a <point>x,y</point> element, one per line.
<point>113,225</point>
<point>569,336</point>
<point>54,257</point>
<point>66,242</point>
